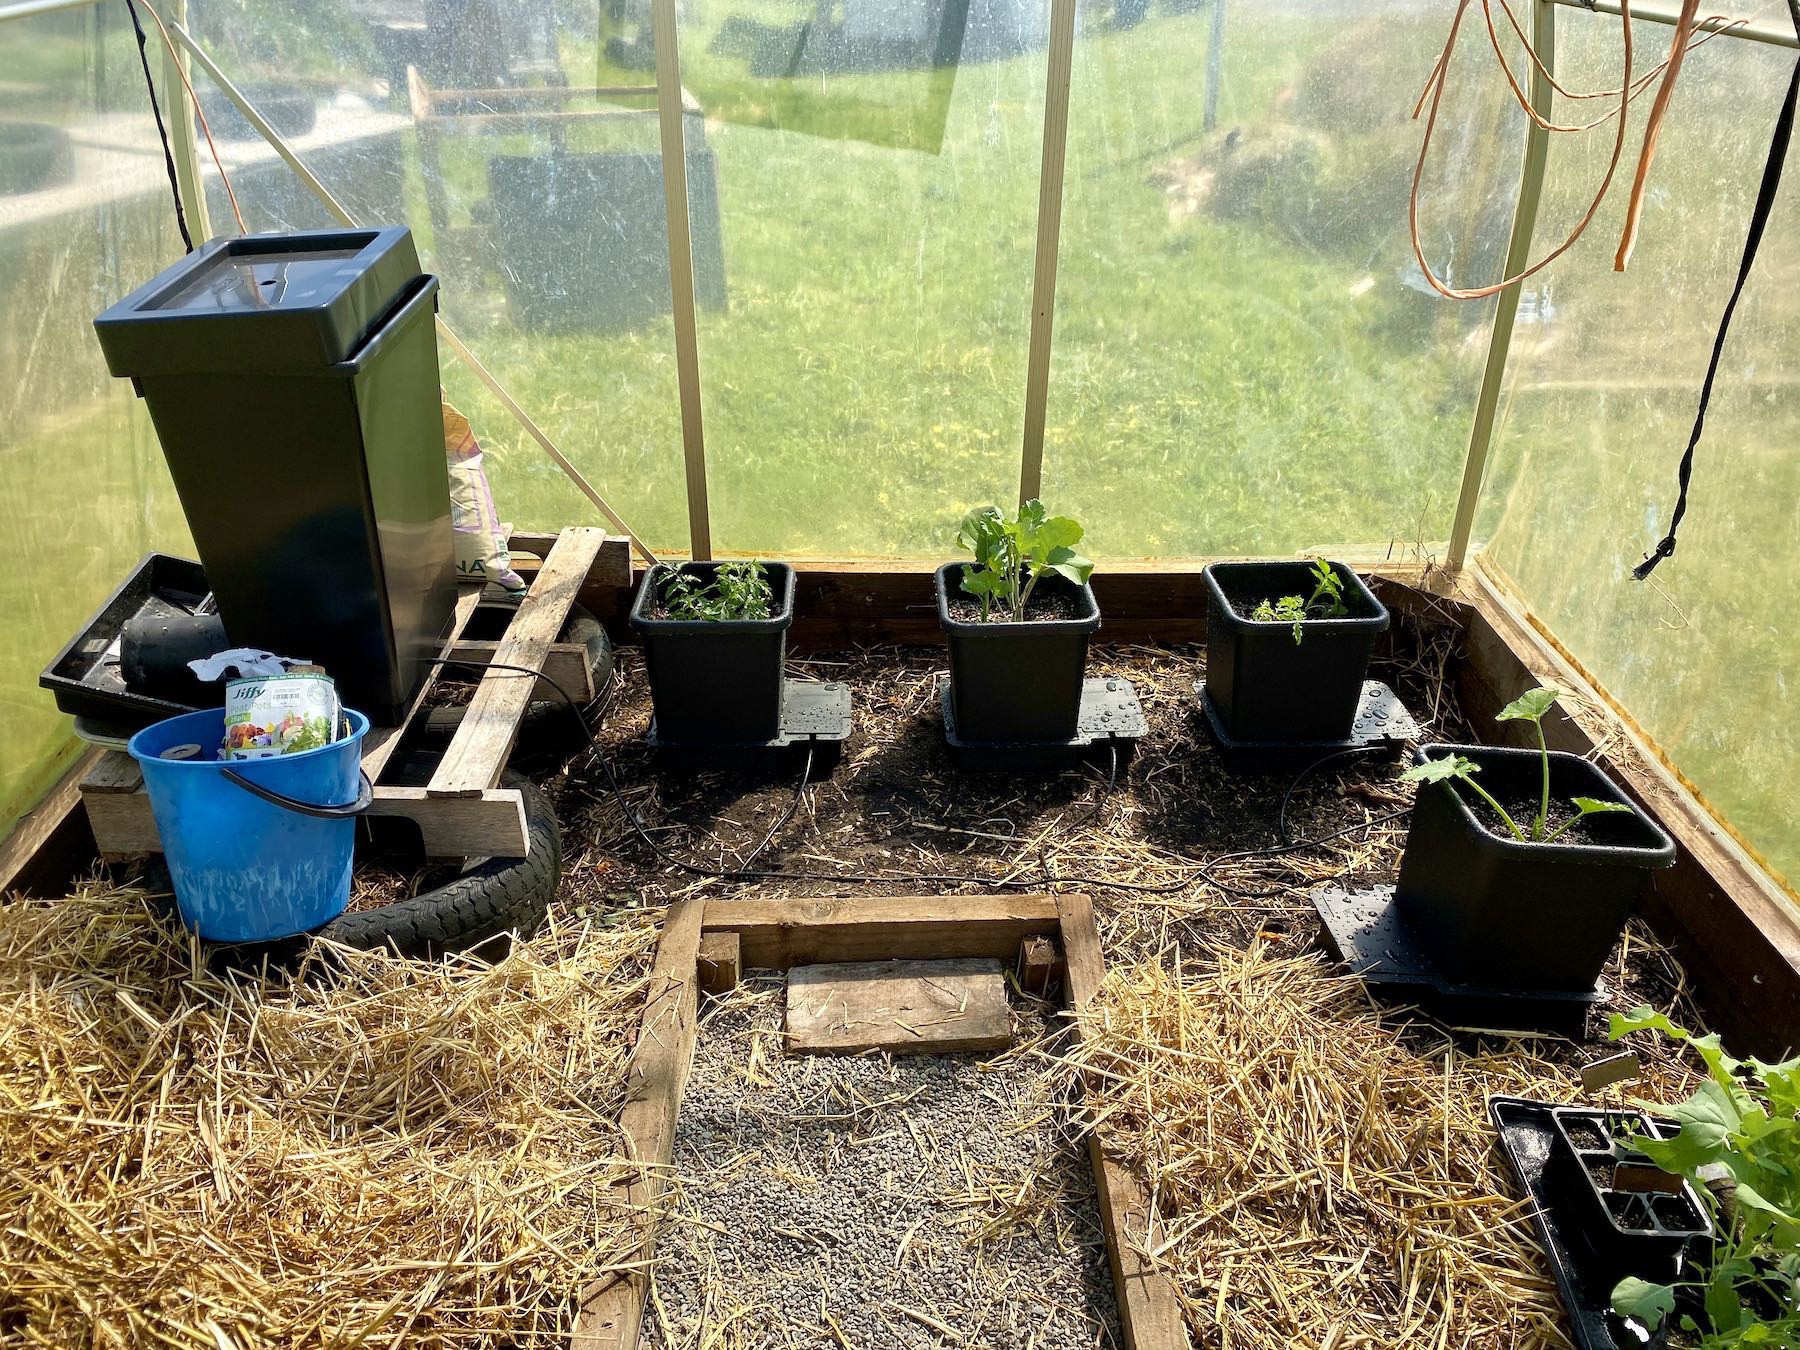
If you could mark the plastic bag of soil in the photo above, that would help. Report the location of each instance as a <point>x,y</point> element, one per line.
<point>481,553</point>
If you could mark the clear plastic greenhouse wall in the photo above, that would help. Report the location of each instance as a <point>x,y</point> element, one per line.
<point>1245,356</point>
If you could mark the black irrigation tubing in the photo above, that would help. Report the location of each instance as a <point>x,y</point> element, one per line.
<point>743,872</point>
<point>162,132</point>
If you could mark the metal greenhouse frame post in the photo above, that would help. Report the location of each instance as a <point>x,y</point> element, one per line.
<point>669,112</point>
<point>1049,238</point>
<point>1506,310</point>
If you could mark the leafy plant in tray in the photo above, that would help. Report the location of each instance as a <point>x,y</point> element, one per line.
<point>1528,707</point>
<point>1739,1146</point>
<point>715,640</point>
<point>1016,676</point>
<point>1325,602</point>
<point>733,590</point>
<point>1289,669</point>
<point>1529,907</point>
<point>1012,556</point>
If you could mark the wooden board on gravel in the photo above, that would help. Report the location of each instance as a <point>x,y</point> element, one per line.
<point>903,1007</point>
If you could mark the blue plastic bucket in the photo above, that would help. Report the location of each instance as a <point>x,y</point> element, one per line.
<point>245,869</point>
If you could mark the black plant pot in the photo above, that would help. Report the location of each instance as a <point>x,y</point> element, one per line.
<point>715,683</point>
<point>1264,687</point>
<point>1016,682</point>
<point>1638,1230</point>
<point>1501,914</point>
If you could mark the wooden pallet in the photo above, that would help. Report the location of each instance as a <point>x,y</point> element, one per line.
<point>462,812</point>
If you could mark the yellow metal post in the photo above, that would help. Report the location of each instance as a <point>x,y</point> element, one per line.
<point>1518,255</point>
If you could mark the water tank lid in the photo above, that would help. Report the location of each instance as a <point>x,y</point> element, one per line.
<point>270,303</point>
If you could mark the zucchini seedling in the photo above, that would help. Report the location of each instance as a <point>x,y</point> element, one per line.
<point>1528,707</point>
<point>1325,602</point>
<point>736,590</point>
<point>1012,556</point>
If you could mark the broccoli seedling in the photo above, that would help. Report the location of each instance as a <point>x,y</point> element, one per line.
<point>1012,556</point>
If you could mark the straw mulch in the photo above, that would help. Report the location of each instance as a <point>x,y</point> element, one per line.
<point>379,1154</point>
<point>1327,1175</point>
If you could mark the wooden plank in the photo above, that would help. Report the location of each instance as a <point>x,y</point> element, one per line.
<point>113,771</point>
<point>478,751</point>
<point>26,851</point>
<point>566,662</point>
<point>379,743</point>
<point>779,934</point>
<point>902,1007</point>
<point>1149,1306</point>
<point>611,568</point>
<point>1039,966</point>
<point>721,964</point>
<point>611,1312</point>
<point>491,825</point>
<point>1735,931</point>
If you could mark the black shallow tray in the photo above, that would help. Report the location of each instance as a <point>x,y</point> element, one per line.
<point>1111,716</point>
<point>1365,930</point>
<point>1527,1137</point>
<point>815,714</point>
<point>85,674</point>
<point>1382,721</point>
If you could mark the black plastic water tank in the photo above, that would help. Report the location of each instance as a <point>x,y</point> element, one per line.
<point>293,381</point>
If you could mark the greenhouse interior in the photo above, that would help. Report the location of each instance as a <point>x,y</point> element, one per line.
<point>899,673</point>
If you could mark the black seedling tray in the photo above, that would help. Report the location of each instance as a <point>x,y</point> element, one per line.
<point>85,676</point>
<point>1367,932</point>
<point>1111,717</point>
<point>1581,1252</point>
<point>1381,721</point>
<point>812,714</point>
<point>1639,1227</point>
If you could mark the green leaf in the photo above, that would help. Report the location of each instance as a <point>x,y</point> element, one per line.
<point>1441,770</point>
<point>1066,562</point>
<point>982,582</point>
<point>981,530</point>
<point>1591,806</point>
<point>1059,532</point>
<point>1646,1302</point>
<point>1724,1309</point>
<point>1531,705</point>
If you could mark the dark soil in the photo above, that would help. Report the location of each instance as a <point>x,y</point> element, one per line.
<point>895,817</point>
<point>1244,606</point>
<point>1046,605</point>
<point>1523,808</point>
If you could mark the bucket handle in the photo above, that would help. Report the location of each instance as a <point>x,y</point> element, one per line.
<point>365,794</point>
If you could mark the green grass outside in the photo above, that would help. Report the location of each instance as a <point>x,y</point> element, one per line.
<point>1246,376</point>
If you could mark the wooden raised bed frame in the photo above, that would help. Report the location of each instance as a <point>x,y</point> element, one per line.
<point>710,943</point>
<point>1736,931</point>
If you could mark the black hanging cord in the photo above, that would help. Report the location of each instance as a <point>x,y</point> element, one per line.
<point>161,130</point>
<point>1759,219</point>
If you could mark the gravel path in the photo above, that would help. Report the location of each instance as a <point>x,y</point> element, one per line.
<point>914,1202</point>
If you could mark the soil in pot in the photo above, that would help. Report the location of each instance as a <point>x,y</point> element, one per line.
<point>1047,606</point>
<point>1500,914</point>
<point>1264,687</point>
